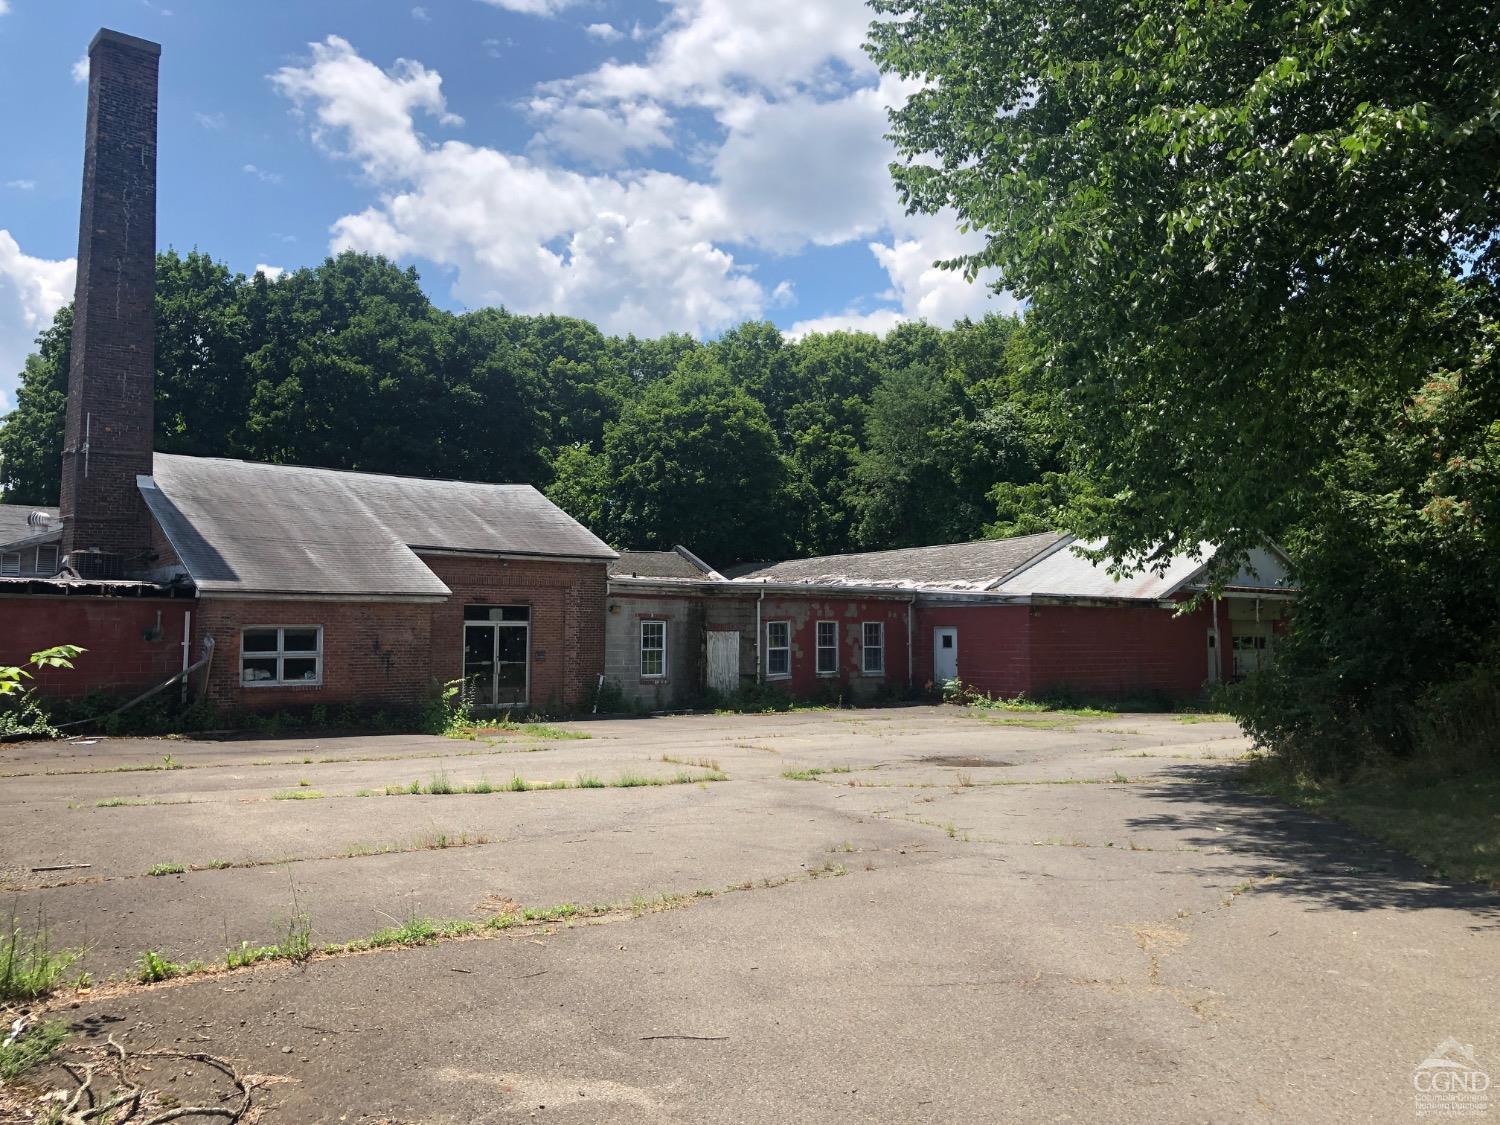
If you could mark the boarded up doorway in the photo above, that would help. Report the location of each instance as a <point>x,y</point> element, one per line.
<point>724,661</point>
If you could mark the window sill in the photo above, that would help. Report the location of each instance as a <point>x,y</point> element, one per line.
<point>284,684</point>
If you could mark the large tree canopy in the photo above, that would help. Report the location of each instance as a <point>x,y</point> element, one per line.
<point>1259,245</point>
<point>749,446</point>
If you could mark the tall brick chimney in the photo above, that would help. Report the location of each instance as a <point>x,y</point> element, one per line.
<point>111,380</point>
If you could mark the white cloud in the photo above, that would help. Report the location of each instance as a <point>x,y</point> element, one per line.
<point>799,159</point>
<point>605,31</point>
<point>21,185</point>
<point>4,7</point>
<point>421,15</point>
<point>879,322</point>
<point>210,120</point>
<point>263,175</point>
<point>31,290</point>
<point>272,273</point>
<point>80,69</point>
<point>532,7</point>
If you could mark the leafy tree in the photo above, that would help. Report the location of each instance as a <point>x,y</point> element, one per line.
<point>1258,244</point>
<point>31,435</point>
<point>693,460</point>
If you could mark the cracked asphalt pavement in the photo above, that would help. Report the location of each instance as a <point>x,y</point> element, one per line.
<point>968,917</point>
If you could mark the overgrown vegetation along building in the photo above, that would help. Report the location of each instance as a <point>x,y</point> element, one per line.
<point>289,587</point>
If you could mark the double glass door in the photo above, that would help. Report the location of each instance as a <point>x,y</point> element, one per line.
<point>497,655</point>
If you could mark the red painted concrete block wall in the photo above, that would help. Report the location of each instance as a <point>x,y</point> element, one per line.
<point>993,646</point>
<point>1119,649</point>
<point>803,614</point>
<point>119,656</point>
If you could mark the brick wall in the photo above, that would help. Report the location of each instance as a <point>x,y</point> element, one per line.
<point>111,379</point>
<point>119,656</point>
<point>374,653</point>
<point>567,620</point>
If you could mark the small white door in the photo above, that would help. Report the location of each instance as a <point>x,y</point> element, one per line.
<point>944,654</point>
<point>724,661</point>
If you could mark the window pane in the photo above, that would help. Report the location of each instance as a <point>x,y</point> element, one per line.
<point>257,669</point>
<point>776,634</point>
<point>651,662</point>
<point>515,613</point>
<point>295,668</point>
<point>827,634</point>
<point>512,645</point>
<point>653,634</point>
<point>259,640</point>
<point>828,660</point>
<point>299,640</point>
<point>778,661</point>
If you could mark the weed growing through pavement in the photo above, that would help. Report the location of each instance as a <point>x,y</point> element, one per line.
<point>701,763</point>
<point>29,967</point>
<point>812,773</point>
<point>298,795</point>
<point>29,1049</point>
<point>155,966</point>
<point>166,869</point>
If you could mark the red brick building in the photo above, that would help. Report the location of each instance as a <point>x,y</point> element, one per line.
<point>279,586</point>
<point>1027,615</point>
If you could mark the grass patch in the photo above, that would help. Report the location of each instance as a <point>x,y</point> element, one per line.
<point>440,786</point>
<point>1449,824</point>
<point>812,773</point>
<point>589,781</point>
<point>701,763</point>
<point>30,1049</point>
<point>1206,717</point>
<point>471,727</point>
<point>116,803</point>
<point>217,865</point>
<point>155,966</point>
<point>29,967</point>
<point>166,869</point>
<point>298,795</point>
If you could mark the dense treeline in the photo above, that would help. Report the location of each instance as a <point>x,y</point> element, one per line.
<point>750,446</point>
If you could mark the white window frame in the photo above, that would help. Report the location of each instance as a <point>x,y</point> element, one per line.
<point>654,649</point>
<point>866,648</point>
<point>51,567</point>
<point>10,565</point>
<point>820,648</point>
<point>281,655</point>
<point>786,648</point>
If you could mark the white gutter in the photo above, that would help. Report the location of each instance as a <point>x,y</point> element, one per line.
<point>187,636</point>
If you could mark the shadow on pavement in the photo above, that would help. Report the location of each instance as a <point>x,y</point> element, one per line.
<point>1333,864</point>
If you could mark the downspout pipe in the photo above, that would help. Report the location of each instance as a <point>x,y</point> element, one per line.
<point>759,663</point>
<point>911,680</point>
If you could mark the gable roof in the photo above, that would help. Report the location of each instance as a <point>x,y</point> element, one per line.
<point>16,530</point>
<point>950,566</point>
<point>1062,573</point>
<point>248,528</point>
<point>678,563</point>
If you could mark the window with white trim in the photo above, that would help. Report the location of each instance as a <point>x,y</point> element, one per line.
<point>874,647</point>
<point>828,648</point>
<point>10,564</point>
<point>653,648</point>
<point>274,656</point>
<point>46,559</point>
<point>778,648</point>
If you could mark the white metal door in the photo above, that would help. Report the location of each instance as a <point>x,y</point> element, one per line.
<point>944,654</point>
<point>724,661</point>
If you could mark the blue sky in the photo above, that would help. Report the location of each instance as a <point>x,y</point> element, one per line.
<point>652,165</point>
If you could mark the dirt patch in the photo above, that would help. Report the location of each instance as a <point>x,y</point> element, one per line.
<point>965,761</point>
